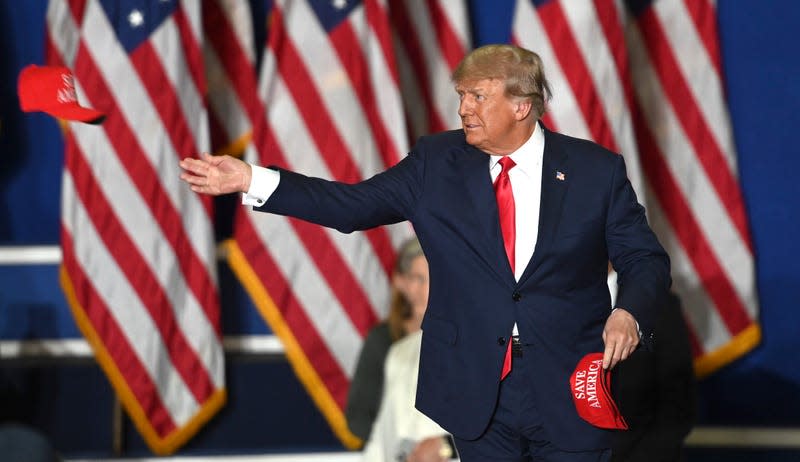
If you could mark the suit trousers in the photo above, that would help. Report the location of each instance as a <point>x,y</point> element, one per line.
<point>517,431</point>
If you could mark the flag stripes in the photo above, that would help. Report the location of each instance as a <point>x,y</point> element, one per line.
<point>430,40</point>
<point>449,20</point>
<point>576,70</point>
<point>696,104</point>
<point>705,146</point>
<point>528,31</point>
<point>333,109</point>
<point>137,377</point>
<point>704,16</point>
<point>230,73</point>
<point>588,77</point>
<point>306,326</point>
<point>617,79</point>
<point>139,260</point>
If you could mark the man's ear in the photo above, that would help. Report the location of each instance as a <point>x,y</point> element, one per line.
<point>523,110</point>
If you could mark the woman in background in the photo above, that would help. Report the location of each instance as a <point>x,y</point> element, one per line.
<point>409,300</point>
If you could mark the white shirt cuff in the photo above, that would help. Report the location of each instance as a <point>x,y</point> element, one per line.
<point>263,183</point>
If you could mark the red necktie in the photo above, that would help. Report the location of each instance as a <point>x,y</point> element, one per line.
<point>505,209</point>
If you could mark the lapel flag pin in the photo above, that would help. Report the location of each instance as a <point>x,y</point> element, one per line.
<point>560,176</point>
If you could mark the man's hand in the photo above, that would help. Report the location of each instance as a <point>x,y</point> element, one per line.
<point>428,450</point>
<point>216,175</point>
<point>621,337</point>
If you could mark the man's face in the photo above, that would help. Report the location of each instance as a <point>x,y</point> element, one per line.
<point>488,116</point>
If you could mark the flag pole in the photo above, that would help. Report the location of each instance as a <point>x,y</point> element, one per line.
<point>117,428</point>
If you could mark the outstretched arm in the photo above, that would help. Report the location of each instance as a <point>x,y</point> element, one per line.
<point>216,175</point>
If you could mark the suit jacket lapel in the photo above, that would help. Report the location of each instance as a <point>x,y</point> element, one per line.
<point>478,183</point>
<point>555,182</point>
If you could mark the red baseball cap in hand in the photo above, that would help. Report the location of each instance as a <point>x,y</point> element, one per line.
<point>591,391</point>
<point>51,89</point>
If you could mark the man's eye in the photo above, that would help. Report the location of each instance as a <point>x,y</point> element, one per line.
<point>480,97</point>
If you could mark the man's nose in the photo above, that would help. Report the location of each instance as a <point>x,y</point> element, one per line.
<point>464,107</point>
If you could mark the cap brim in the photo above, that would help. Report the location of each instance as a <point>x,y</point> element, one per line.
<point>76,113</point>
<point>605,386</point>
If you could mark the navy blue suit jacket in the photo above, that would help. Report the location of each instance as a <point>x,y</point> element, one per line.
<point>589,214</point>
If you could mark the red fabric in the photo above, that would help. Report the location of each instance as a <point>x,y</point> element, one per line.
<point>506,362</point>
<point>51,89</point>
<point>506,211</point>
<point>505,208</point>
<point>591,390</point>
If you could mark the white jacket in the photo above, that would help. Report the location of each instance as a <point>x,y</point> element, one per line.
<point>399,425</point>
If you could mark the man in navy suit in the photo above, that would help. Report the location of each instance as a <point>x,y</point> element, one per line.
<point>539,285</point>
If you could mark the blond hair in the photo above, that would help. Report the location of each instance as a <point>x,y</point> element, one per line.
<point>521,71</point>
<point>400,308</point>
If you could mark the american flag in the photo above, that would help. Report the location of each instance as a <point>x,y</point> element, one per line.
<point>229,56</point>
<point>644,78</point>
<point>139,265</point>
<point>331,88</point>
<point>430,40</point>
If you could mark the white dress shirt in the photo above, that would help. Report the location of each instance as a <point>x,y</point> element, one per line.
<point>526,183</point>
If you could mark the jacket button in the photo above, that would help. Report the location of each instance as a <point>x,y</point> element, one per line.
<point>501,341</point>
<point>516,296</point>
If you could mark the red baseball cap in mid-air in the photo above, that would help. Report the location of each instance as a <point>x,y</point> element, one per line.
<point>591,390</point>
<point>51,89</point>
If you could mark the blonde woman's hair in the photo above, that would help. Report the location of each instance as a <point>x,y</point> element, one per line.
<point>400,308</point>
